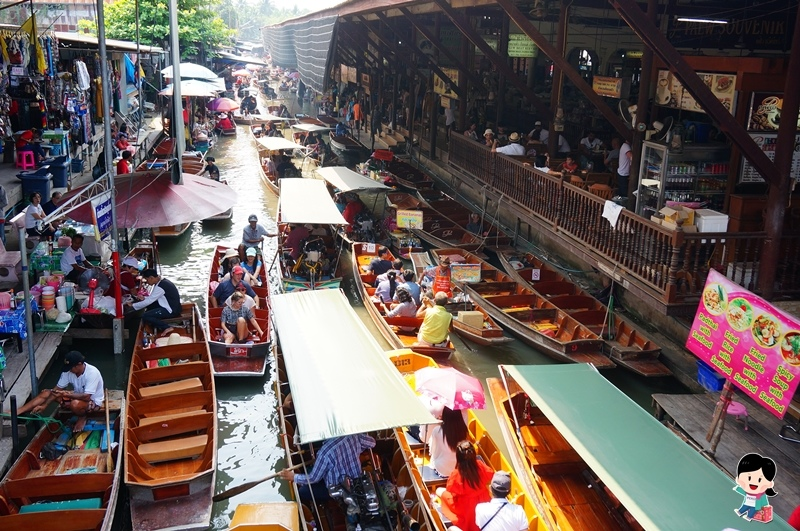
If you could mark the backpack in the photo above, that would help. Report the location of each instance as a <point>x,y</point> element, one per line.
<point>52,451</point>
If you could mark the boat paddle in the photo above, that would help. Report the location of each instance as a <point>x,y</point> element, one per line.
<point>109,459</point>
<point>224,495</point>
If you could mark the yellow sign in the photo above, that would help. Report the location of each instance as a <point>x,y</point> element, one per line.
<point>520,45</point>
<point>610,87</point>
<point>634,54</point>
<point>409,219</point>
<point>440,87</point>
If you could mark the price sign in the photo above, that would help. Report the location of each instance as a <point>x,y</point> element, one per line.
<point>369,248</point>
<point>409,219</point>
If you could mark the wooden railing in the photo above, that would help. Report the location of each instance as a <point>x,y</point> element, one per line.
<point>671,264</point>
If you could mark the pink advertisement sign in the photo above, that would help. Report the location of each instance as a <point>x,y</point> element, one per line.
<point>753,344</point>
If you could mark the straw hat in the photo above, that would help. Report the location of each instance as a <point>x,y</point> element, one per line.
<point>174,339</point>
<point>513,137</point>
<point>230,253</point>
<point>488,132</point>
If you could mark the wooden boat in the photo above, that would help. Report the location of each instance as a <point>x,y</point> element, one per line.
<point>623,343</point>
<point>390,327</point>
<point>78,491</point>
<point>170,438</point>
<point>229,131</point>
<point>408,362</point>
<point>345,143</point>
<point>395,172</point>
<point>330,121</point>
<point>164,148</point>
<point>530,316</point>
<point>476,325</point>
<point>239,359</point>
<point>172,231</point>
<point>265,146</point>
<point>267,516</point>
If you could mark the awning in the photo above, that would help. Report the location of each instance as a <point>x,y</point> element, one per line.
<point>233,58</point>
<point>191,70</point>
<point>275,143</point>
<point>311,128</point>
<point>307,201</point>
<point>346,179</point>
<point>306,45</point>
<point>90,42</point>
<point>342,382</point>
<point>196,88</point>
<point>661,480</point>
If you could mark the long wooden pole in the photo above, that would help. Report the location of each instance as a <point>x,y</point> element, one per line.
<point>109,458</point>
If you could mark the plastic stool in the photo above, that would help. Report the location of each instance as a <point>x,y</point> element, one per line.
<point>26,160</point>
<point>738,410</point>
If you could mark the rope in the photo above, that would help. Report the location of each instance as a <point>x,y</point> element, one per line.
<point>41,418</point>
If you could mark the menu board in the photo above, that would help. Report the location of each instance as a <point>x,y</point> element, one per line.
<point>409,219</point>
<point>753,344</point>
<point>466,273</point>
<point>520,45</point>
<point>610,87</point>
<point>766,141</point>
<point>670,92</point>
<point>440,87</point>
<point>765,112</point>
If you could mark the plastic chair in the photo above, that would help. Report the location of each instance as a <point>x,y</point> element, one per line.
<point>26,160</point>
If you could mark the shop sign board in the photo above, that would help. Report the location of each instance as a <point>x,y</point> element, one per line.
<point>766,142</point>
<point>609,87</point>
<point>465,273</point>
<point>744,338</point>
<point>670,92</point>
<point>18,71</point>
<point>752,30</point>
<point>765,112</point>
<point>352,74</point>
<point>520,45</point>
<point>409,219</point>
<point>101,215</point>
<point>440,87</point>
<point>365,80</point>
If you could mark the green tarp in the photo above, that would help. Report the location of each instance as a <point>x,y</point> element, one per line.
<point>342,382</point>
<point>661,480</point>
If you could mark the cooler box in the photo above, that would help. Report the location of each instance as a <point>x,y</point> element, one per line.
<point>710,220</point>
<point>471,318</point>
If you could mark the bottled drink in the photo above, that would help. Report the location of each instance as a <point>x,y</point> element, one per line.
<point>13,302</point>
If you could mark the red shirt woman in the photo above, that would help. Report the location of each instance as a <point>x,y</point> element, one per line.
<point>466,487</point>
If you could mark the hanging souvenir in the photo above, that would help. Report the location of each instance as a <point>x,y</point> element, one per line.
<point>14,53</point>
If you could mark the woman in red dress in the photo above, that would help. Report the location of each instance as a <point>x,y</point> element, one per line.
<point>466,487</point>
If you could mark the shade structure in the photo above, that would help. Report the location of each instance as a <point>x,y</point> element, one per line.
<point>311,128</point>
<point>453,388</point>
<point>193,87</point>
<point>242,72</point>
<point>307,201</point>
<point>276,143</point>
<point>346,179</point>
<point>222,105</point>
<point>251,66</point>
<point>342,382</point>
<point>151,199</point>
<point>647,468</point>
<point>190,70</point>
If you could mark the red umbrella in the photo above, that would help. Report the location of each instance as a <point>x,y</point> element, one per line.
<point>150,199</point>
<point>222,105</point>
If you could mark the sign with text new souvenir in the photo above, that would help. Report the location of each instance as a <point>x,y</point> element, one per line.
<point>409,219</point>
<point>101,215</point>
<point>465,273</point>
<point>744,338</point>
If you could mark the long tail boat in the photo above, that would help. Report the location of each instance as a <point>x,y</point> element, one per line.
<point>530,316</point>
<point>76,492</point>
<point>408,362</point>
<point>387,168</point>
<point>171,425</point>
<point>238,359</point>
<point>623,343</point>
<point>400,332</point>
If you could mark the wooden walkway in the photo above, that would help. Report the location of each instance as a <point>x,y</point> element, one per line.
<point>692,414</point>
<point>18,379</point>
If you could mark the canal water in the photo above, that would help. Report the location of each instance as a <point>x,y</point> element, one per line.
<point>248,446</point>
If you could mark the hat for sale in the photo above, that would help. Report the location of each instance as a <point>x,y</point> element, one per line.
<point>251,251</point>
<point>501,482</point>
<point>72,359</point>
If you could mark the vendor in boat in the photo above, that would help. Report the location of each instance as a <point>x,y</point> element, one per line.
<point>498,514</point>
<point>337,458</point>
<point>253,235</point>
<point>353,208</point>
<point>224,123</point>
<point>73,261</point>
<point>163,302</point>
<point>293,241</point>
<point>438,277</point>
<point>87,389</point>
<point>436,321</point>
<point>211,168</point>
<point>226,288</point>
<point>381,263</point>
<point>475,226</point>
<point>128,271</point>
<point>235,319</point>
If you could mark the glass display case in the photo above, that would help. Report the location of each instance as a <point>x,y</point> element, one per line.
<point>696,177</point>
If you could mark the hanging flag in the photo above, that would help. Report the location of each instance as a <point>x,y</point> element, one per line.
<point>29,27</point>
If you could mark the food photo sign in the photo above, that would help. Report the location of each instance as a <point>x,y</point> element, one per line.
<point>753,344</point>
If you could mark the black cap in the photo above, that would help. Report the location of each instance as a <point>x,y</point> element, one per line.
<point>211,159</point>
<point>147,273</point>
<point>72,359</point>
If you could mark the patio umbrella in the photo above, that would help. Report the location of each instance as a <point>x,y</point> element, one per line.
<point>222,105</point>
<point>190,70</point>
<point>454,389</point>
<point>241,72</point>
<point>251,66</point>
<point>151,199</point>
<point>193,87</point>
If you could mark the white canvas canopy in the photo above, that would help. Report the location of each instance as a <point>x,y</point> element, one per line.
<point>311,128</point>
<point>275,143</point>
<point>194,87</point>
<point>346,179</point>
<point>307,201</point>
<point>342,381</point>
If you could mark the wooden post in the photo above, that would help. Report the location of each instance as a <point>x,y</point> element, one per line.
<point>558,76</point>
<point>642,110</point>
<point>718,420</point>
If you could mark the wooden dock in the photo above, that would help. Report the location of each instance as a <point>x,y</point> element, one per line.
<point>692,414</point>
<point>18,380</point>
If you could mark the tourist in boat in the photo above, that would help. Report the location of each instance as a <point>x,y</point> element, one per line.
<point>409,283</point>
<point>73,261</point>
<point>211,168</point>
<point>380,264</point>
<point>229,260</point>
<point>466,487</point>
<point>514,148</point>
<point>499,514</point>
<point>397,269</point>
<point>569,166</point>
<point>34,214</point>
<point>249,302</point>
<point>253,235</point>
<point>438,277</point>
<point>337,458</point>
<point>252,265</point>
<point>223,124</point>
<point>405,306</point>
<point>124,164</point>
<point>386,288</point>
<point>235,319</point>
<point>436,320</point>
<point>249,104</point>
<point>442,439</point>
<point>226,288</point>
<point>286,168</point>
<point>128,271</point>
<point>87,389</point>
<point>163,302</point>
<point>293,242</point>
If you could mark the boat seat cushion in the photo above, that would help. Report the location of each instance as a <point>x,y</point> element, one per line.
<point>173,449</point>
<point>86,503</point>
<point>179,386</point>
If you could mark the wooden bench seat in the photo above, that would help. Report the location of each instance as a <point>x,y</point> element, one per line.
<point>544,445</point>
<point>586,516</point>
<point>180,386</point>
<point>173,449</point>
<point>167,418</point>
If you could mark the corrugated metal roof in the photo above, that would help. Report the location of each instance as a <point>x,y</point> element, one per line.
<point>350,7</point>
<point>111,44</point>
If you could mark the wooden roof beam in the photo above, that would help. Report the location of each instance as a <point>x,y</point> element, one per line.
<point>376,62</point>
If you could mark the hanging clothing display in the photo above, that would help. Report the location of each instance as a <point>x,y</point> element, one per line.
<point>84,81</point>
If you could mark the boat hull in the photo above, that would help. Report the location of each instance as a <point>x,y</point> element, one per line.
<point>345,144</point>
<point>174,231</point>
<point>189,512</point>
<point>239,360</point>
<point>290,285</point>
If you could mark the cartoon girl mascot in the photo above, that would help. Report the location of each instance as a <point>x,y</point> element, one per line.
<point>754,480</point>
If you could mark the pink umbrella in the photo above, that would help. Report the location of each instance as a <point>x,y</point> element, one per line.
<point>222,105</point>
<point>150,199</point>
<point>454,389</point>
